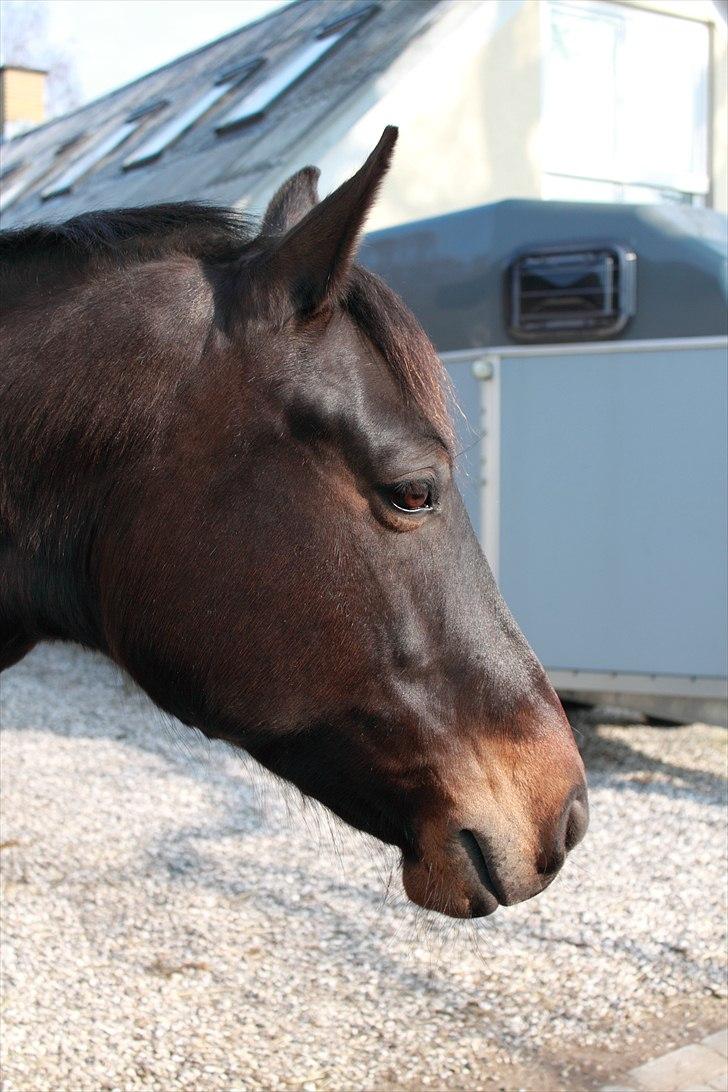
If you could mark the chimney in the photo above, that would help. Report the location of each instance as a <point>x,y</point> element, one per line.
<point>22,99</point>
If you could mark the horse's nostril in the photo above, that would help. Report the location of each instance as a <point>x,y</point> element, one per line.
<point>577,822</point>
<point>474,848</point>
<point>571,830</point>
<point>549,866</point>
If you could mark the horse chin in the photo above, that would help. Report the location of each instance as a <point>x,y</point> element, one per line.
<point>448,886</point>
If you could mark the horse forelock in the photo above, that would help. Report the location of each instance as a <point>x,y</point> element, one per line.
<point>407,350</point>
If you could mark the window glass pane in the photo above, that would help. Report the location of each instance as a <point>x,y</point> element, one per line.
<point>9,169</point>
<point>152,148</point>
<point>161,139</point>
<point>64,181</point>
<point>344,21</point>
<point>580,109</point>
<point>257,102</point>
<point>12,186</point>
<point>626,98</point>
<point>663,108</point>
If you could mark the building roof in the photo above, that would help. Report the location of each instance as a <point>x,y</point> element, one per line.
<point>356,42</point>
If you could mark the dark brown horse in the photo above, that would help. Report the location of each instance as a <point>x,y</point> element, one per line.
<point>226,462</point>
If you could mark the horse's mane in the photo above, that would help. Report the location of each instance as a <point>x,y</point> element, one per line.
<point>119,237</point>
<point>134,234</point>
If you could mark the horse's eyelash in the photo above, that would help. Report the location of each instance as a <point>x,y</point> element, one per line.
<point>413,483</point>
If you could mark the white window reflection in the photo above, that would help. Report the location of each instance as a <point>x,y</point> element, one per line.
<point>625,104</point>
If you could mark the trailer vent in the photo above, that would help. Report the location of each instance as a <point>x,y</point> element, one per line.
<point>572,294</point>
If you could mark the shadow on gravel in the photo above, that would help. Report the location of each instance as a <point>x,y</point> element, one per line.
<point>613,760</point>
<point>328,905</point>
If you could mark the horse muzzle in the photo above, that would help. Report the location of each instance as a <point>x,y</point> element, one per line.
<point>476,871</point>
<point>518,811</point>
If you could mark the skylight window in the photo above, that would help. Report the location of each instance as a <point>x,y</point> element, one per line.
<point>68,144</point>
<point>257,102</point>
<point>10,169</point>
<point>147,109</point>
<point>65,181</point>
<point>13,180</point>
<point>10,192</point>
<point>228,79</point>
<point>341,21</point>
<point>253,106</point>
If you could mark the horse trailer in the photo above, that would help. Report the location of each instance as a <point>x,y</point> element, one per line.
<point>588,348</point>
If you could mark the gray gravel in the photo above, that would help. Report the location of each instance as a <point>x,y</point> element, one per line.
<point>173,920</point>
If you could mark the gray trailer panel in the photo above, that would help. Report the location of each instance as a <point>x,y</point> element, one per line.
<point>613,511</point>
<point>595,473</point>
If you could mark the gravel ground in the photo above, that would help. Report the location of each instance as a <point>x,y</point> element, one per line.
<point>173,920</point>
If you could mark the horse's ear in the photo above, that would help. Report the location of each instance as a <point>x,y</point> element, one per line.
<point>288,205</point>
<point>314,256</point>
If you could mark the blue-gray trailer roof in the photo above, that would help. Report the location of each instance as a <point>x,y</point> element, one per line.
<point>453,270</point>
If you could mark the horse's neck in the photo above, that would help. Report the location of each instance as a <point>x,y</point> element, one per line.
<point>65,423</point>
<point>86,388</point>
<point>45,499</point>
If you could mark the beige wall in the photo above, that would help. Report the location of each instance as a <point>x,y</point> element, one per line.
<point>484,146</point>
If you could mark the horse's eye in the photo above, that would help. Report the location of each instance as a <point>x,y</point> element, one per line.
<point>415,496</point>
